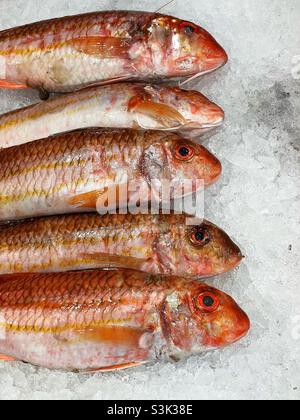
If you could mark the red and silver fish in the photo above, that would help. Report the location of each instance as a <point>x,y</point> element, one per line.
<point>107,320</point>
<point>75,171</point>
<point>161,244</point>
<point>135,106</point>
<point>66,54</point>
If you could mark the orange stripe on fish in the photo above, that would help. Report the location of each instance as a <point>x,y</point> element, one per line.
<point>43,108</point>
<point>5,199</point>
<point>79,328</point>
<point>92,45</point>
<point>26,171</point>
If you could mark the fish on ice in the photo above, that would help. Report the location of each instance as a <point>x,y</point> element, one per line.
<point>83,170</point>
<point>112,319</point>
<point>70,53</point>
<point>124,105</point>
<point>156,244</point>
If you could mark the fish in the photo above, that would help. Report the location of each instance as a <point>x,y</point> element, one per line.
<point>112,319</point>
<point>70,53</point>
<point>155,244</point>
<point>100,169</point>
<point>124,105</point>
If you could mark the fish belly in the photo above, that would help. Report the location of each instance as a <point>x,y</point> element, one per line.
<point>63,70</point>
<point>68,352</point>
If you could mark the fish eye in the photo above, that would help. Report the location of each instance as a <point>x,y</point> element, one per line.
<point>208,302</point>
<point>184,152</point>
<point>200,236</point>
<point>188,28</point>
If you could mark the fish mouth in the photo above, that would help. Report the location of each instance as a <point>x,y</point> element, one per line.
<point>201,73</point>
<point>195,77</point>
<point>217,63</point>
<point>204,126</point>
<point>243,327</point>
<point>197,131</point>
<point>232,264</point>
<point>211,125</point>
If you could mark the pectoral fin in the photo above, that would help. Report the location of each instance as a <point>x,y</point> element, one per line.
<point>111,81</point>
<point>110,198</point>
<point>168,116</point>
<point>114,261</point>
<point>86,200</point>
<point>116,335</point>
<point>106,47</point>
<point>118,367</point>
<point>5,84</point>
<point>4,358</point>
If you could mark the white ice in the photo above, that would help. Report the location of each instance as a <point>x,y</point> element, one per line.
<point>257,202</point>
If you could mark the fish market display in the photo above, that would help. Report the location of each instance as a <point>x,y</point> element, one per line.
<point>66,54</point>
<point>161,244</point>
<point>135,106</point>
<point>106,320</point>
<point>74,171</point>
<point>90,280</point>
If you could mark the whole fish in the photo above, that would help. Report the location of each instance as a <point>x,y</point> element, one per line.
<point>135,106</point>
<point>107,320</point>
<point>76,171</point>
<point>66,54</point>
<point>161,244</point>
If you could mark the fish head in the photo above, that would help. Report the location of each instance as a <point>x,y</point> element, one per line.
<point>197,318</point>
<point>188,160</point>
<point>180,162</point>
<point>173,109</point>
<point>199,113</point>
<point>185,48</point>
<point>204,251</point>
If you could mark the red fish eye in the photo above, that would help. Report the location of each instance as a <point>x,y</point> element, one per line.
<point>200,236</point>
<point>184,152</point>
<point>208,301</point>
<point>188,28</point>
